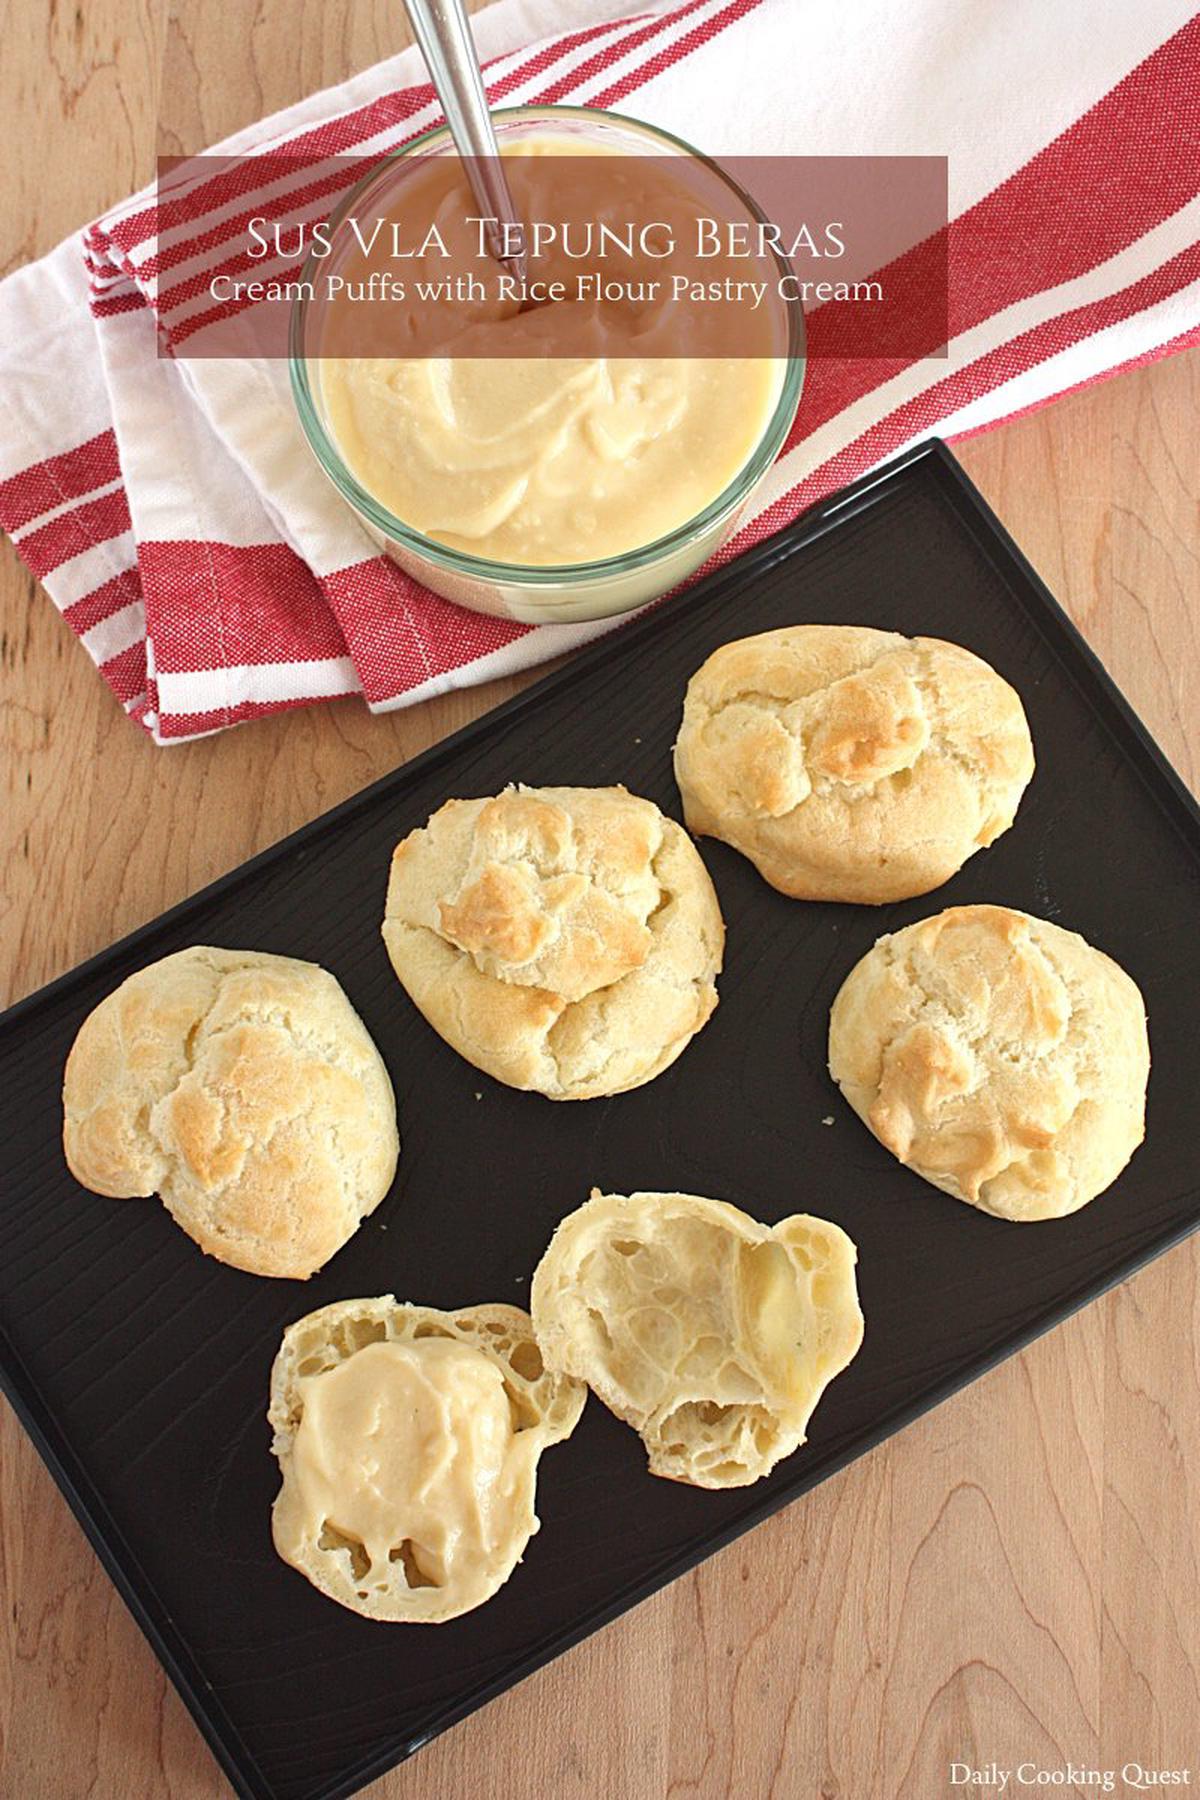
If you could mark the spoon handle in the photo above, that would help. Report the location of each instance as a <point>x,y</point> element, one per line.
<point>444,38</point>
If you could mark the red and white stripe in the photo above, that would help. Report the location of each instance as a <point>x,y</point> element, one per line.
<point>177,523</point>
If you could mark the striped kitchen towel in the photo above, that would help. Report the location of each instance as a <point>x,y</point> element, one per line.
<point>171,509</point>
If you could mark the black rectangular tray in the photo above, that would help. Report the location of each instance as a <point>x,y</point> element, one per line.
<point>140,1366</point>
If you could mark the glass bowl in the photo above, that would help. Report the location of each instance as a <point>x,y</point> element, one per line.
<point>560,593</point>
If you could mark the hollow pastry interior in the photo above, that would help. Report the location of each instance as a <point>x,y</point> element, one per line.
<point>565,940</point>
<point>713,1335</point>
<point>997,1055</point>
<point>245,1090</point>
<point>408,1442</point>
<point>849,763</point>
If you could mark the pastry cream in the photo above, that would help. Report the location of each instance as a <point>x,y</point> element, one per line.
<point>533,437</point>
<point>542,462</point>
<point>409,1450</point>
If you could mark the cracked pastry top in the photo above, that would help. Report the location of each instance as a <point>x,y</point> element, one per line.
<point>408,1443</point>
<point>713,1335</point>
<point>564,940</point>
<point>998,1056</point>
<point>243,1089</point>
<point>848,763</point>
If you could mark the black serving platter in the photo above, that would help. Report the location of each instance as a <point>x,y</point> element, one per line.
<point>140,1366</point>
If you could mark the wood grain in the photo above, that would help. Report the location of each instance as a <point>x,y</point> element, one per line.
<point>1015,1577</point>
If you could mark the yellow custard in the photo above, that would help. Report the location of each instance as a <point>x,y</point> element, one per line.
<point>542,462</point>
<point>504,447</point>
<point>414,1444</point>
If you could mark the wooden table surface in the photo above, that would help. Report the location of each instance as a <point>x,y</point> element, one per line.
<point>1014,1578</point>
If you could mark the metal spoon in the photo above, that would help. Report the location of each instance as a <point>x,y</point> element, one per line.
<point>444,37</point>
